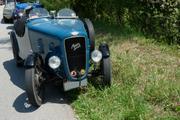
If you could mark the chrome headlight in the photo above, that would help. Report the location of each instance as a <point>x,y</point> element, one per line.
<point>54,62</point>
<point>96,56</point>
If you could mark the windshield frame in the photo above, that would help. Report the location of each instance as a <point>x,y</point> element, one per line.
<point>68,16</point>
<point>31,18</point>
<point>51,16</point>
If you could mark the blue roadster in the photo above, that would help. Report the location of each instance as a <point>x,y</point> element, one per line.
<point>58,47</point>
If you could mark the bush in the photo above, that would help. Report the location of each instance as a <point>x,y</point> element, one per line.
<point>55,4</point>
<point>111,11</point>
<point>157,18</point>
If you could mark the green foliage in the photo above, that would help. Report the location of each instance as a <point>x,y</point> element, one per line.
<point>146,78</point>
<point>107,10</point>
<point>157,18</point>
<point>55,4</point>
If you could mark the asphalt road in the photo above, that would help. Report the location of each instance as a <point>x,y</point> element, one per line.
<point>13,100</point>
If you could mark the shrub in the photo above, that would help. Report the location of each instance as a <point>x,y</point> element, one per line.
<point>55,4</point>
<point>157,18</point>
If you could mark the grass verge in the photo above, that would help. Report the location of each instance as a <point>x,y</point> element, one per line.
<point>146,80</point>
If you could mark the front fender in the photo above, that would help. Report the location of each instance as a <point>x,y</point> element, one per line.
<point>104,48</point>
<point>30,61</point>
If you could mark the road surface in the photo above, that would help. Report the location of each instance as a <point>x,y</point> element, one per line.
<point>13,100</point>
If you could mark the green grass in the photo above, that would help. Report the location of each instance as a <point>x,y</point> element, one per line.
<point>146,80</point>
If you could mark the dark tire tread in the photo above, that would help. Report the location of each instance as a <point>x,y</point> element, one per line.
<point>106,71</point>
<point>30,88</point>
<point>91,32</point>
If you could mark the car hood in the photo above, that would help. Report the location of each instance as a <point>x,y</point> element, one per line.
<point>61,28</point>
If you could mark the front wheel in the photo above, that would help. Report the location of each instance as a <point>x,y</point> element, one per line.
<point>34,86</point>
<point>106,71</point>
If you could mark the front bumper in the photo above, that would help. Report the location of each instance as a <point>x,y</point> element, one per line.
<point>69,85</point>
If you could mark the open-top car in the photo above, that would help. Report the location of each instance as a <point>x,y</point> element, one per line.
<point>21,6</point>
<point>14,9</point>
<point>59,48</point>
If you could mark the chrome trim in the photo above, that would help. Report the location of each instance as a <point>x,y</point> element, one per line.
<point>69,85</point>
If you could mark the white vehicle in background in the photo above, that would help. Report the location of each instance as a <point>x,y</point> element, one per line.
<point>1,2</point>
<point>8,10</point>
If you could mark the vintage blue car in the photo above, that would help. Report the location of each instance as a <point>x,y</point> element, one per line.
<point>58,48</point>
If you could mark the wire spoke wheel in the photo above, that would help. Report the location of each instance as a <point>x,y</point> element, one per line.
<point>34,86</point>
<point>38,84</point>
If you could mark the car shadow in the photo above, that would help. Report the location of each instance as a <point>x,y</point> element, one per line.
<point>53,93</point>
<point>2,22</point>
<point>22,105</point>
<point>17,78</point>
<point>96,83</point>
<point>16,74</point>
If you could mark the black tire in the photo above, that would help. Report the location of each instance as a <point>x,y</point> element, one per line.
<point>34,90</point>
<point>91,33</point>
<point>5,20</point>
<point>15,49</point>
<point>106,71</point>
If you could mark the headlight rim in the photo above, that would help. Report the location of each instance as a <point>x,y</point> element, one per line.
<point>96,51</point>
<point>56,59</point>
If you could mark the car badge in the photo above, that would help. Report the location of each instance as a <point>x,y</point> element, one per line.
<point>74,33</point>
<point>74,47</point>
